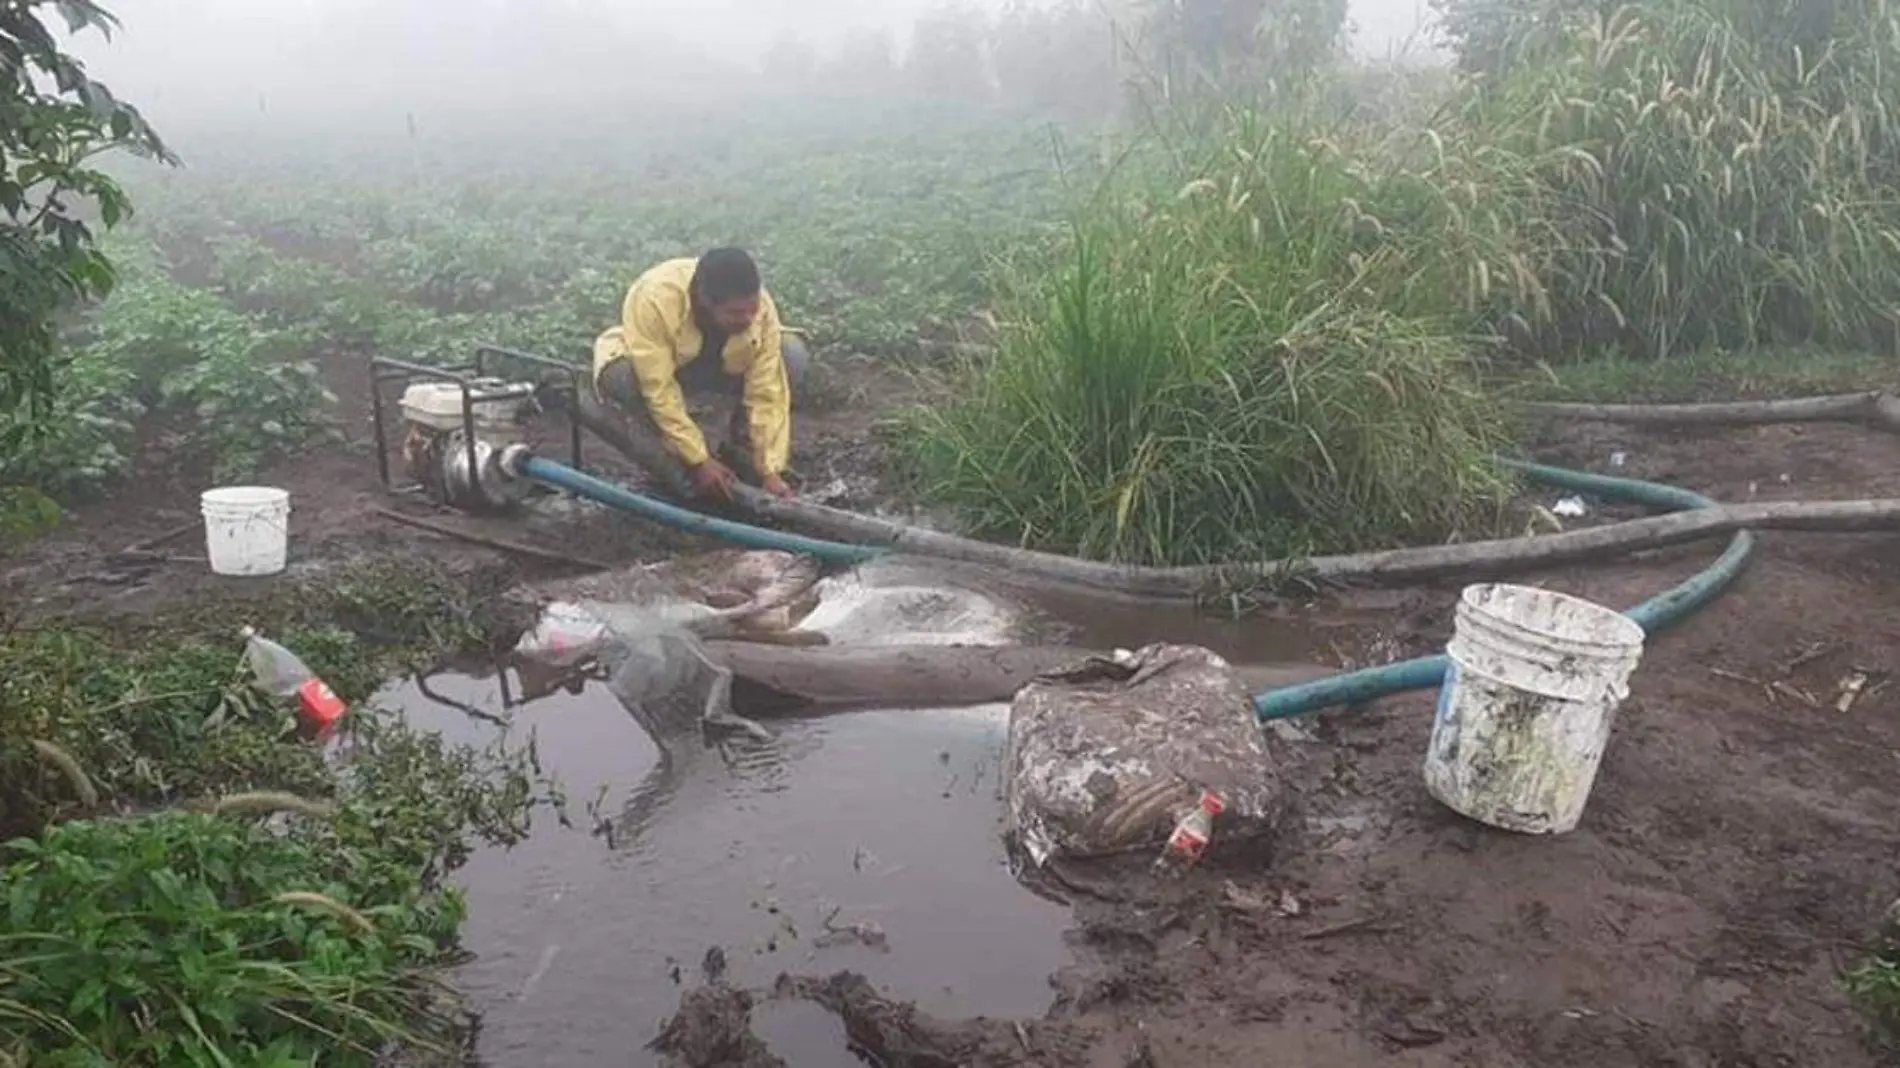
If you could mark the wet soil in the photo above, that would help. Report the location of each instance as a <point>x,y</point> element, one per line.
<point>1737,856</point>
<point>337,499</point>
<point>1738,853</point>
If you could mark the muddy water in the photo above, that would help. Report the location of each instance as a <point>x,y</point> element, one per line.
<point>887,820</point>
<point>881,823</point>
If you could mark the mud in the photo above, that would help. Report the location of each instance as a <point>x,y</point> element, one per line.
<point>83,568</point>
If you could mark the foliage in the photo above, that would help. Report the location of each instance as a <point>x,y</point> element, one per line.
<point>1265,357</point>
<point>166,717</point>
<point>176,370</point>
<point>138,931</point>
<point>1704,185</point>
<point>855,239</point>
<point>1654,181</point>
<point>172,939</point>
<point>49,137</point>
<point>25,514</point>
<point>146,726</point>
<point>1273,358</point>
<point>1874,983</point>
<point>1232,48</point>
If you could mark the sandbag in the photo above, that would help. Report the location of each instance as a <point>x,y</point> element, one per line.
<point>1104,756</point>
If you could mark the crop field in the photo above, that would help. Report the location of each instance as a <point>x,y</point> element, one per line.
<point>1296,316</point>
<point>236,286</point>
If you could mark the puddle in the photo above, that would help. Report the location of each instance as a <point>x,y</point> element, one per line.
<point>884,825</point>
<point>1100,622</point>
<point>887,820</point>
<point>804,1035</point>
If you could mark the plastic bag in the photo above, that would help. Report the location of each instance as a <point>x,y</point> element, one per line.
<point>565,635</point>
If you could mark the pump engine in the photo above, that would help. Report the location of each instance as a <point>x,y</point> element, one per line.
<point>436,446</point>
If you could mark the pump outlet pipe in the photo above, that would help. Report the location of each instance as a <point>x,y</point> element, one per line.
<point>1349,688</point>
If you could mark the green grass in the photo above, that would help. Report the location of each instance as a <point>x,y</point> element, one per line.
<point>1265,343</point>
<point>1220,369</point>
<point>1874,984</point>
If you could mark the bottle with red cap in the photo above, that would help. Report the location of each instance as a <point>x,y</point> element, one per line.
<point>1189,841</point>
<point>276,670</point>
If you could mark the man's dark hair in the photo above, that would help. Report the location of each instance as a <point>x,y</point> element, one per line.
<point>725,274</point>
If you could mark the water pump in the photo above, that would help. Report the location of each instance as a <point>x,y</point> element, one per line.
<point>455,435</point>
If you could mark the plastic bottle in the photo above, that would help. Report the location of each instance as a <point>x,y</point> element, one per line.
<point>277,670</point>
<point>1189,841</point>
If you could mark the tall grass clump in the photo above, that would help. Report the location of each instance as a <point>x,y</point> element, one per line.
<point>1714,175</point>
<point>1251,347</point>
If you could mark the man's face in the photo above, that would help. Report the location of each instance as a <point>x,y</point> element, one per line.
<point>735,316</point>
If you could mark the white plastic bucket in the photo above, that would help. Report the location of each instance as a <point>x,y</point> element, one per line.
<point>247,529</point>
<point>1527,704</point>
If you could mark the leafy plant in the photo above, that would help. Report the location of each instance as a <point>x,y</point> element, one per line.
<point>193,939</point>
<point>195,884</point>
<point>211,386</point>
<point>50,135</point>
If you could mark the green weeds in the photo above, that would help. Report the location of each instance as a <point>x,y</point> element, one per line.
<point>1216,372</point>
<point>1257,346</point>
<point>195,884</point>
<point>1265,342</point>
<point>183,938</point>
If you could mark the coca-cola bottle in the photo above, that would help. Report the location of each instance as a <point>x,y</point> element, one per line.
<point>1189,841</point>
<point>276,670</point>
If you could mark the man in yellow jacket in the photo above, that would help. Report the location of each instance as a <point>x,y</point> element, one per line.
<point>698,327</point>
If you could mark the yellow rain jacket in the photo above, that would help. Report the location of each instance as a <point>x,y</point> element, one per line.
<point>658,336</point>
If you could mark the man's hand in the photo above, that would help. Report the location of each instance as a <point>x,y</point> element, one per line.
<point>713,479</point>
<point>775,485</point>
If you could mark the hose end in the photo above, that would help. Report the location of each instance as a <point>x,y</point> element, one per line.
<point>513,458</point>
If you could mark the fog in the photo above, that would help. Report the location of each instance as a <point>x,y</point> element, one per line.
<point>267,66</point>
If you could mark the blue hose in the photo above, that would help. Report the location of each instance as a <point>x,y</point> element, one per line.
<point>1351,688</point>
<point>561,476</point>
<point>1663,610</point>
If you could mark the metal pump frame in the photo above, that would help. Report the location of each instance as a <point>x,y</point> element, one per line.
<point>388,368</point>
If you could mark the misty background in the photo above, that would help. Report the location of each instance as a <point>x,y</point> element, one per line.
<point>588,68</point>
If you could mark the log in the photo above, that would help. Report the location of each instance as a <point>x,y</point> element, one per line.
<point>1876,409</point>
<point>1499,556</point>
<point>778,680</point>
